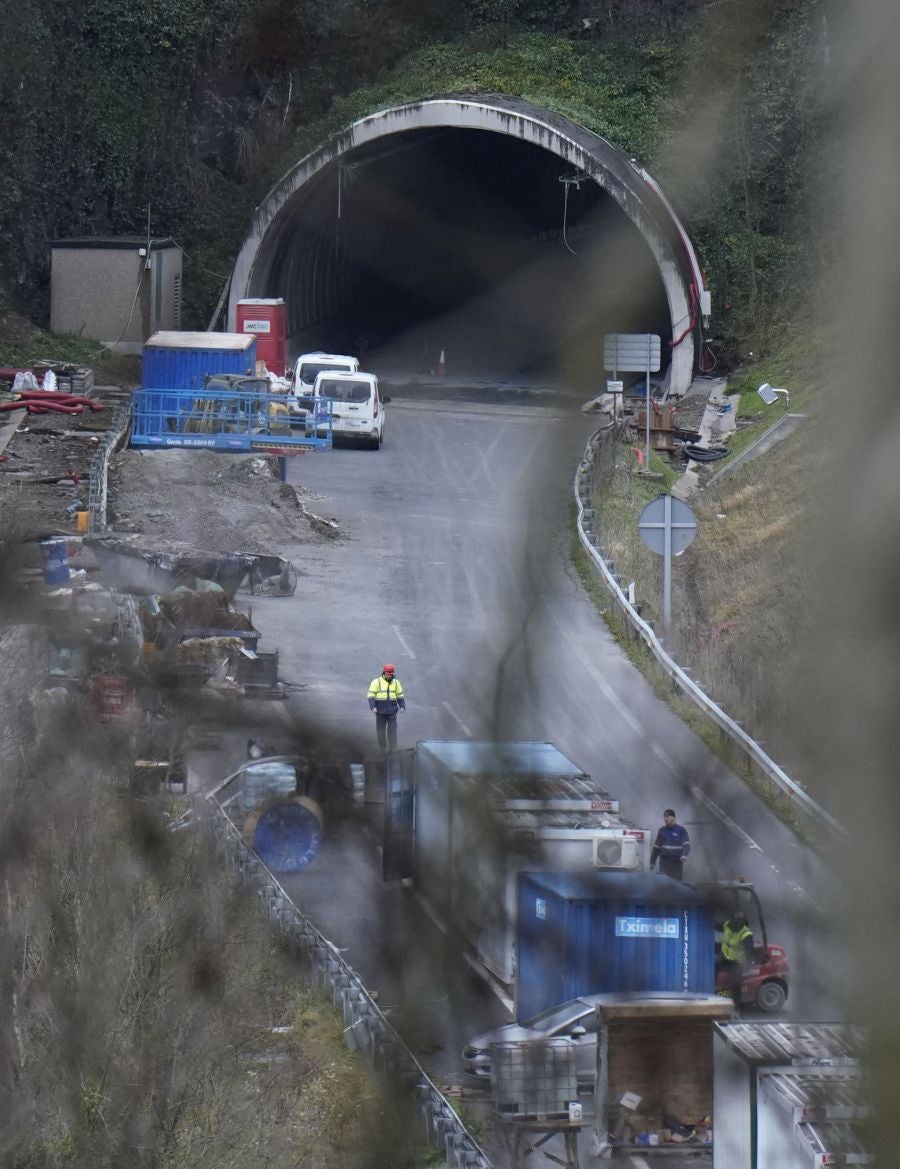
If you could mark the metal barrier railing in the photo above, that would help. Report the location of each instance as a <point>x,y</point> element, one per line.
<point>789,787</point>
<point>98,476</point>
<point>365,1027</point>
<point>227,420</point>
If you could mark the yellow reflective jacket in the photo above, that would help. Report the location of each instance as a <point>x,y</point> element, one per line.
<point>386,695</point>
<point>733,942</point>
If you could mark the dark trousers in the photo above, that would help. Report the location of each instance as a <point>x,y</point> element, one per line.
<point>671,868</point>
<point>733,972</point>
<point>386,729</point>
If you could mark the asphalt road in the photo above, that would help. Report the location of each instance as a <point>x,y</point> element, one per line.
<point>456,566</point>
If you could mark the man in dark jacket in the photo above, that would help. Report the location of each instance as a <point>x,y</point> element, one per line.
<point>385,699</point>
<point>671,847</point>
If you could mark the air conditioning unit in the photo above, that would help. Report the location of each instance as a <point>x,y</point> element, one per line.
<point>616,852</point>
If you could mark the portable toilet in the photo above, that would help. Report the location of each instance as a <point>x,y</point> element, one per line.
<point>266,320</point>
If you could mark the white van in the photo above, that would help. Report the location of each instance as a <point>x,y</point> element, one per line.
<point>356,404</point>
<point>307,368</point>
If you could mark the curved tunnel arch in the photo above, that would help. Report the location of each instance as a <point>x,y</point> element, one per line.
<point>284,254</point>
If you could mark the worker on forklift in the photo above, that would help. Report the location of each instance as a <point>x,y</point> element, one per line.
<point>735,953</point>
<point>386,699</point>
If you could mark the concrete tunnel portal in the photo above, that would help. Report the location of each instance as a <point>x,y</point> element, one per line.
<point>507,236</point>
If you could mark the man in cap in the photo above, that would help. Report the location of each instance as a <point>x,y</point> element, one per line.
<point>386,699</point>
<point>671,847</point>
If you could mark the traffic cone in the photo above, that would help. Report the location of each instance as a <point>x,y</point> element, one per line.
<point>441,365</point>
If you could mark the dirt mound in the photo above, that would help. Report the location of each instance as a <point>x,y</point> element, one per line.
<point>214,502</point>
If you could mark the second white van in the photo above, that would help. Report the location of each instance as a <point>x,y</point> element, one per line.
<point>308,367</point>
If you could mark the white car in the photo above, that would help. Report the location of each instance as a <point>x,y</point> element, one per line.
<point>356,404</point>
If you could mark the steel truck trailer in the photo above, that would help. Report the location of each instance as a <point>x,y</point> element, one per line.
<point>479,813</point>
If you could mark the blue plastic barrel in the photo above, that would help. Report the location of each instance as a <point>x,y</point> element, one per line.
<point>287,837</point>
<point>56,560</point>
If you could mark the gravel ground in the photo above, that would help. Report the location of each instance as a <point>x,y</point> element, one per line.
<point>54,447</point>
<point>211,502</point>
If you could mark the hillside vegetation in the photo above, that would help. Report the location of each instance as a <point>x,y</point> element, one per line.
<point>192,108</point>
<point>745,593</point>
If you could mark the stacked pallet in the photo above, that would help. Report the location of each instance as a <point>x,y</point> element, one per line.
<point>77,381</point>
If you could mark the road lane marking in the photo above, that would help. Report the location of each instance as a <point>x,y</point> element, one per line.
<point>748,840</point>
<point>639,1162</point>
<point>449,709</point>
<point>603,685</point>
<point>469,960</point>
<point>801,892</point>
<point>724,817</point>
<point>409,653</point>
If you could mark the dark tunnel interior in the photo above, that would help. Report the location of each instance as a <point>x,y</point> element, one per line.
<point>475,243</point>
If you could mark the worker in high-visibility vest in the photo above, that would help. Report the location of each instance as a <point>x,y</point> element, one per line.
<point>735,952</point>
<point>386,699</point>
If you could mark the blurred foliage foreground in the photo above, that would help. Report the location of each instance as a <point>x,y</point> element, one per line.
<point>140,989</point>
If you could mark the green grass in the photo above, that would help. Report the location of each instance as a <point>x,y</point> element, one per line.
<point>690,714</point>
<point>29,345</point>
<point>24,345</point>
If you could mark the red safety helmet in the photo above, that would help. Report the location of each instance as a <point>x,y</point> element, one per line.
<point>388,668</point>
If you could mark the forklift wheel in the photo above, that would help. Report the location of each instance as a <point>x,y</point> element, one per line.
<point>770,997</point>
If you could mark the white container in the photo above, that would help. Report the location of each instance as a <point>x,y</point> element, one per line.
<point>266,780</point>
<point>486,812</point>
<point>576,1112</point>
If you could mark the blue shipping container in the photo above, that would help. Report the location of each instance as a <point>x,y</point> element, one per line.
<point>180,361</point>
<point>591,933</point>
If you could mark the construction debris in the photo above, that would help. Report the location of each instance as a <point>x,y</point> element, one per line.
<point>320,524</point>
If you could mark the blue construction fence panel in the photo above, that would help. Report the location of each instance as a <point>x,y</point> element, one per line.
<point>226,421</point>
<point>608,931</point>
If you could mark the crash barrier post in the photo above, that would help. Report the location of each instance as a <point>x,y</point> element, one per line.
<point>98,476</point>
<point>583,487</point>
<point>366,1029</point>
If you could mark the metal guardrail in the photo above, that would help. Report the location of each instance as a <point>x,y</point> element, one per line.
<point>801,799</point>
<point>787,423</point>
<point>365,1027</point>
<point>98,480</point>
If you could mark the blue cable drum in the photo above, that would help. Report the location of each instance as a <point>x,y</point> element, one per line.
<point>287,836</point>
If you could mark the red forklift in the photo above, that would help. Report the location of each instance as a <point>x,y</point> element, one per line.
<point>765,980</point>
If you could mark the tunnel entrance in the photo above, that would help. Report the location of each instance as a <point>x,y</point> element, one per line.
<point>510,247</point>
